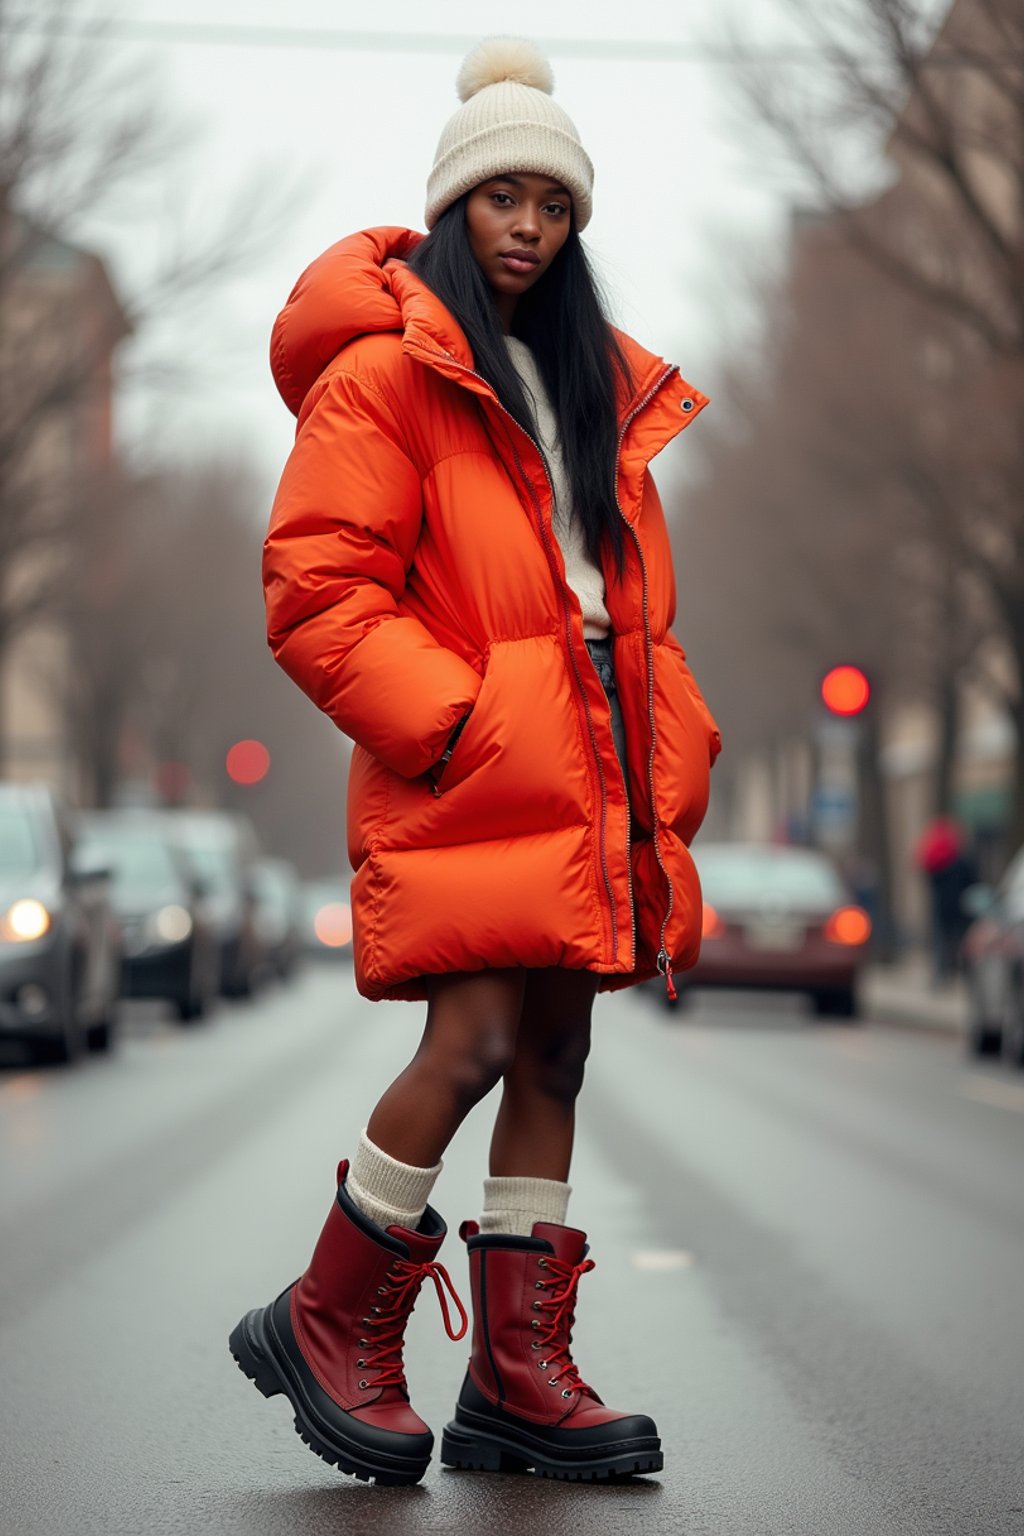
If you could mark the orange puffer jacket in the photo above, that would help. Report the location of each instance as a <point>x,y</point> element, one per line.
<point>412,574</point>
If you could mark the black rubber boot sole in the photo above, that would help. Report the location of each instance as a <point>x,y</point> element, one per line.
<point>252,1344</point>
<point>476,1449</point>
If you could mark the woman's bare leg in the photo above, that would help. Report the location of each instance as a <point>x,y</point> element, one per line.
<point>533,1134</point>
<point>468,1045</point>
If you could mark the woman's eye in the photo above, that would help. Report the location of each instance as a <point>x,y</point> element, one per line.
<point>556,208</point>
<point>504,195</point>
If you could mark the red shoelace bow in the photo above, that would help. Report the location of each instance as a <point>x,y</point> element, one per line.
<point>398,1293</point>
<point>561,1309</point>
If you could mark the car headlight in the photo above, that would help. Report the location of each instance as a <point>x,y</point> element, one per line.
<point>171,925</point>
<point>25,920</point>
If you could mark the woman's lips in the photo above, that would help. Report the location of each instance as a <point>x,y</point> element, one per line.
<point>520,264</point>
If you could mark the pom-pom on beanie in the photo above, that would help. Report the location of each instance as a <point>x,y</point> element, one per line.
<point>507,123</point>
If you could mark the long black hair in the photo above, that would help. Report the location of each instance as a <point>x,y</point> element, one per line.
<point>561,319</point>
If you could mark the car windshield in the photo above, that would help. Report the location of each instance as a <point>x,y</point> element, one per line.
<point>273,890</point>
<point>18,852</point>
<point>1013,880</point>
<point>215,865</point>
<point>141,864</point>
<point>738,875</point>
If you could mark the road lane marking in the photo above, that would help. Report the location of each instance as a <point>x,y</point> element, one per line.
<point>988,1090</point>
<point>662,1259</point>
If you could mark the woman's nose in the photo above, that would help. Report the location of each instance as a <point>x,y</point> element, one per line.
<point>527,226</point>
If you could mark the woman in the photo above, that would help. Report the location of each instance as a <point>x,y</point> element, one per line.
<point>468,570</point>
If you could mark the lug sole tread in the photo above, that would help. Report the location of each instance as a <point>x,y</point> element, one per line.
<point>487,1454</point>
<point>264,1377</point>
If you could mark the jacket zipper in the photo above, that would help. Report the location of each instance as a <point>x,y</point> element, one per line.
<point>569,646</point>
<point>663,959</point>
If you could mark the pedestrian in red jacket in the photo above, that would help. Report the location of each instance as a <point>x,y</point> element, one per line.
<point>468,569</point>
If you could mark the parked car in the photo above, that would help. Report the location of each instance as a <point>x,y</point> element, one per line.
<point>169,946</point>
<point>222,848</point>
<point>328,918</point>
<point>779,918</point>
<point>60,943</point>
<point>279,913</point>
<point>993,958</point>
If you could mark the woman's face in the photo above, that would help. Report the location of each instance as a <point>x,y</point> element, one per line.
<point>517,225</point>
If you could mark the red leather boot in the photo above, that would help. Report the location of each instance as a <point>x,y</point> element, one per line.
<point>523,1402</point>
<point>332,1342</point>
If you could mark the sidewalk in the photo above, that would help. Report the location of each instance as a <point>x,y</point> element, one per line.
<point>903,994</point>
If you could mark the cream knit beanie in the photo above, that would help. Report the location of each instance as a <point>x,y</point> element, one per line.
<point>508,123</point>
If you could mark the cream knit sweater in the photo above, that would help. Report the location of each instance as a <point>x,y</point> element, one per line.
<point>583,576</point>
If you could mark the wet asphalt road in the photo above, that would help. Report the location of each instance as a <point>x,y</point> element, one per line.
<point>810,1249</point>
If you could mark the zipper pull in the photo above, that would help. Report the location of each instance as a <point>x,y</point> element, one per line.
<point>665,967</point>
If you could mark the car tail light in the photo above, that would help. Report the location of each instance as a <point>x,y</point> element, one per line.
<point>712,926</point>
<point>849,925</point>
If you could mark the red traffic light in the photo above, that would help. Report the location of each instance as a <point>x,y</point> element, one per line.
<point>247,762</point>
<point>845,690</point>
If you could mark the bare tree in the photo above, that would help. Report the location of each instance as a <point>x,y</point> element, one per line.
<point>79,132</point>
<point>947,105</point>
<point>813,536</point>
<point>171,664</point>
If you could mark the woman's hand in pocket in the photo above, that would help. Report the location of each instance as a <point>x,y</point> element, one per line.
<point>436,771</point>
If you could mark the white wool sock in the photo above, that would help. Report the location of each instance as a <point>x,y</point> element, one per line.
<point>513,1204</point>
<point>391,1193</point>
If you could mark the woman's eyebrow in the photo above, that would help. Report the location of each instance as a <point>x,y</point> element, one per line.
<point>514,181</point>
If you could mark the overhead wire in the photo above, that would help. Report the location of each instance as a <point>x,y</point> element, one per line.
<point>232,34</point>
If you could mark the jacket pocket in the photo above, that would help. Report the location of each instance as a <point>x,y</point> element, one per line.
<point>687,745</point>
<point>698,702</point>
<point>464,760</point>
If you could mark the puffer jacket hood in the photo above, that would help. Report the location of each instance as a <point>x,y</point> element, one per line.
<point>341,295</point>
<point>412,578</point>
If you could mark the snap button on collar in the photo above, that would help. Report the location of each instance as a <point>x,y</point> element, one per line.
<point>687,405</point>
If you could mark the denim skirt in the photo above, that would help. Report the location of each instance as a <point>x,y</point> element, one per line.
<point>601,656</point>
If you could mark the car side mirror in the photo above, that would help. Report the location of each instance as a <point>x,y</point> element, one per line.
<point>85,874</point>
<point>978,900</point>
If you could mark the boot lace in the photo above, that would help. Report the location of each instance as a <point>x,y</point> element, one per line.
<point>398,1294</point>
<point>555,1332</point>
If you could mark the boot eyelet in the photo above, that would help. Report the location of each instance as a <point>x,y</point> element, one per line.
<point>363,1384</point>
<point>535,1324</point>
<point>553,1382</point>
<point>566,1392</point>
<point>363,1343</point>
<point>539,1285</point>
<point>535,1344</point>
<point>382,1290</point>
<point>542,1365</point>
<point>542,1263</point>
<point>536,1306</point>
<point>375,1311</point>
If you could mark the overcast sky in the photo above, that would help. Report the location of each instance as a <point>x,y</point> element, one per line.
<point>683,196</point>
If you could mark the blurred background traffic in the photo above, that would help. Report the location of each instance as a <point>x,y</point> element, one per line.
<point>815,210</point>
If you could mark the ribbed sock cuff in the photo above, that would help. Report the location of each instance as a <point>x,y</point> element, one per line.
<point>512,1205</point>
<point>390,1193</point>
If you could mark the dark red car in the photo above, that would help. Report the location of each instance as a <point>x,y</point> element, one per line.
<point>781,918</point>
<point>993,958</point>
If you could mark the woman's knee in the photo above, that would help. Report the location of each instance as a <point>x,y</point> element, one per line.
<point>470,1039</point>
<point>554,1063</point>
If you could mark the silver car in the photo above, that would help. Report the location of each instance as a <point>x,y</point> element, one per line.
<point>60,942</point>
